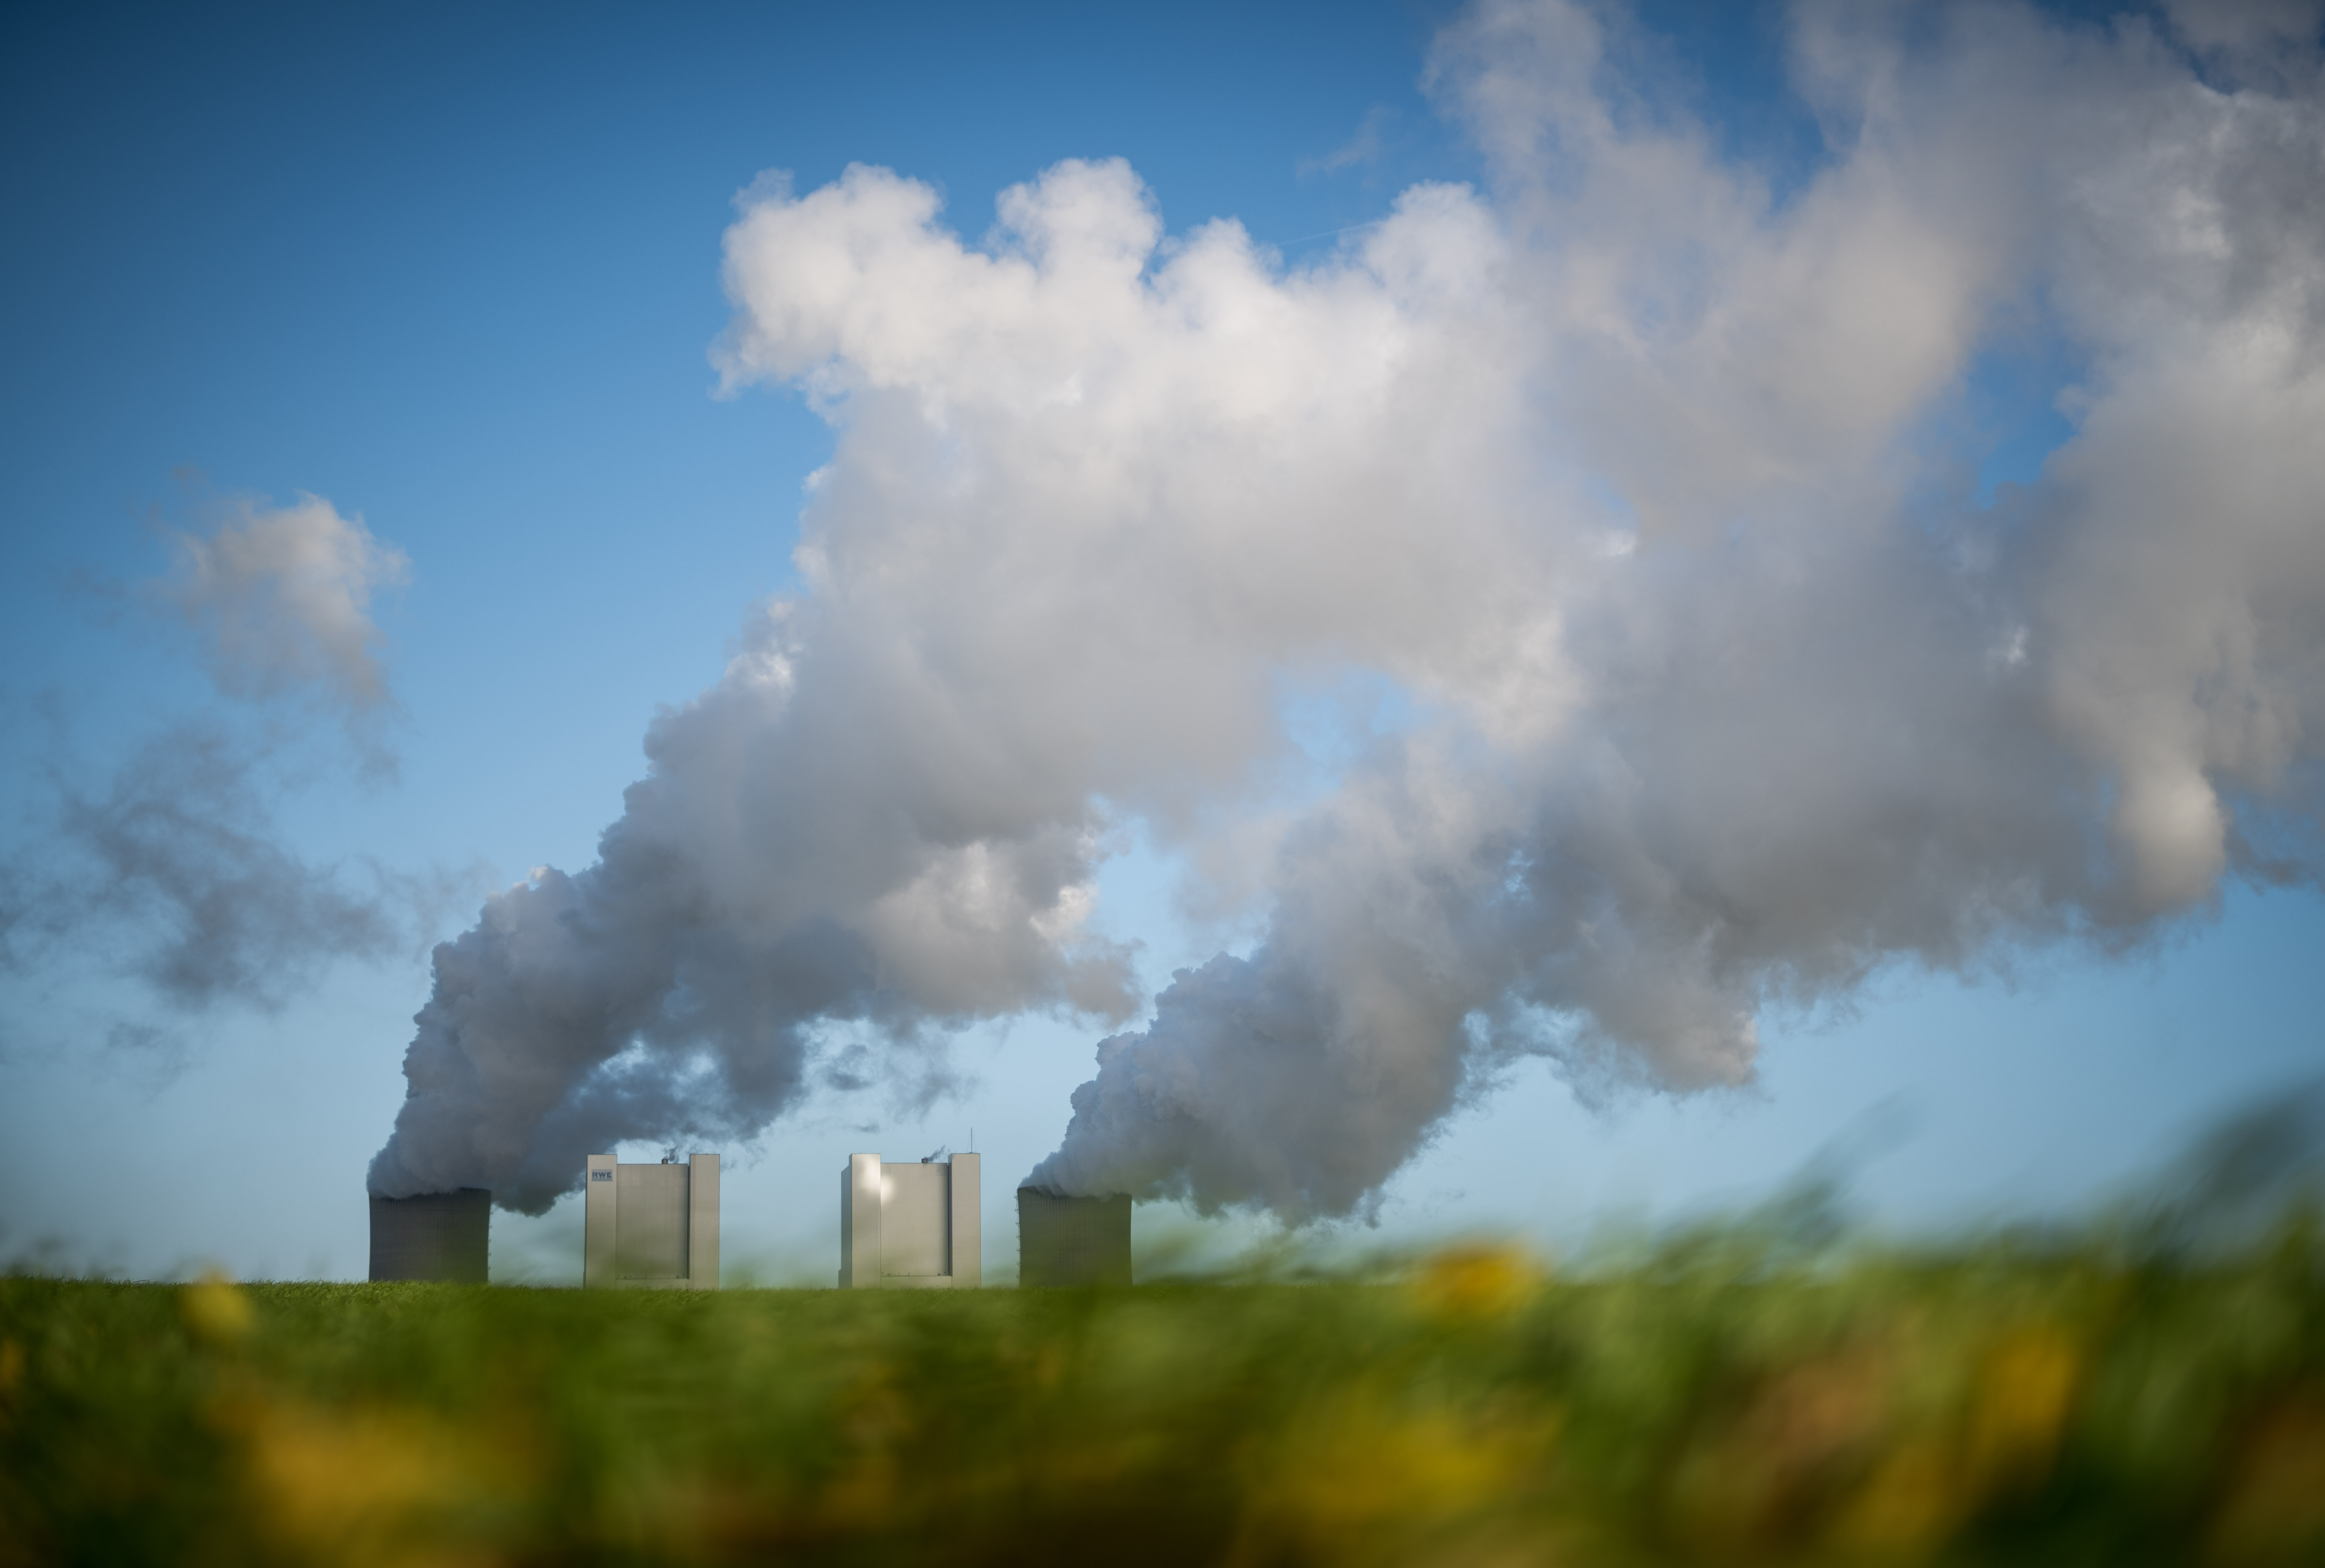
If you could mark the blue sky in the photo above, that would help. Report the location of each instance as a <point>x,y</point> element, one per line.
<point>461,275</point>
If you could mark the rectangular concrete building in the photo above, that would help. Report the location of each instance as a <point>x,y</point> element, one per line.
<point>440,1236</point>
<point>649,1227</point>
<point>910,1224</point>
<point>1073,1241</point>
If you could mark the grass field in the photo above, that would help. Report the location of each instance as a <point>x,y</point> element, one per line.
<point>1723,1396</point>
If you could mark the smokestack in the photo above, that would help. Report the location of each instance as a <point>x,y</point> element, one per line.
<point>437,1236</point>
<point>1073,1241</point>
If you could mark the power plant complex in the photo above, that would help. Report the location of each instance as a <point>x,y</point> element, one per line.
<point>903,1225</point>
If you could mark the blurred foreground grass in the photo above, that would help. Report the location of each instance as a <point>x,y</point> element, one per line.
<point>1721,1398</point>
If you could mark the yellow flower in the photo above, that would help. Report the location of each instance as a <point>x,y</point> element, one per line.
<point>377,1485</point>
<point>1908,1507</point>
<point>1364,1470</point>
<point>1474,1283</point>
<point>216,1313</point>
<point>2024,1396</point>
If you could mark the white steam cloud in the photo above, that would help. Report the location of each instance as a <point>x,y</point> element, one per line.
<point>1643,485</point>
<point>280,598</point>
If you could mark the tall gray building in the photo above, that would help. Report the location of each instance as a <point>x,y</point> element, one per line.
<point>650,1226</point>
<point>910,1224</point>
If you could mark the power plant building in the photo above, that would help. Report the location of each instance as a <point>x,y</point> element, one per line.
<point>435,1236</point>
<point>647,1226</point>
<point>1073,1241</point>
<point>910,1224</point>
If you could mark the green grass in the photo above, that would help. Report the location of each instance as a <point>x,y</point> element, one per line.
<point>1718,1398</point>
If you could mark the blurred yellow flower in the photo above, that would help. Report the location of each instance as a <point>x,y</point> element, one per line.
<point>1362,1471</point>
<point>1473,1283</point>
<point>1907,1510</point>
<point>2024,1396</point>
<point>215,1311</point>
<point>378,1487</point>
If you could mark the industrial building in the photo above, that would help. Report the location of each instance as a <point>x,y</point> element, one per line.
<point>650,1226</point>
<point>1073,1241</point>
<point>910,1224</point>
<point>438,1236</point>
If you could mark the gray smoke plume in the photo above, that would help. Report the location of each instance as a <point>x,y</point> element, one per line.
<point>1644,488</point>
<point>173,869</point>
<point>177,864</point>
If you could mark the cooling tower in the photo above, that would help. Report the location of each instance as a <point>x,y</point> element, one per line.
<point>910,1224</point>
<point>435,1236</point>
<point>650,1226</point>
<point>1072,1240</point>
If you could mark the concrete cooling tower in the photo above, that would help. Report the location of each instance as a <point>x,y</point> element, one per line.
<point>648,1226</point>
<point>439,1236</point>
<point>910,1224</point>
<point>1073,1241</point>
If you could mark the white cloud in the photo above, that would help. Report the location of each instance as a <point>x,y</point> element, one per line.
<point>280,600</point>
<point>1097,494</point>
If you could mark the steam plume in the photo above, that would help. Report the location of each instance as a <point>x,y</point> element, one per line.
<point>280,598</point>
<point>1642,487</point>
<point>174,870</point>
